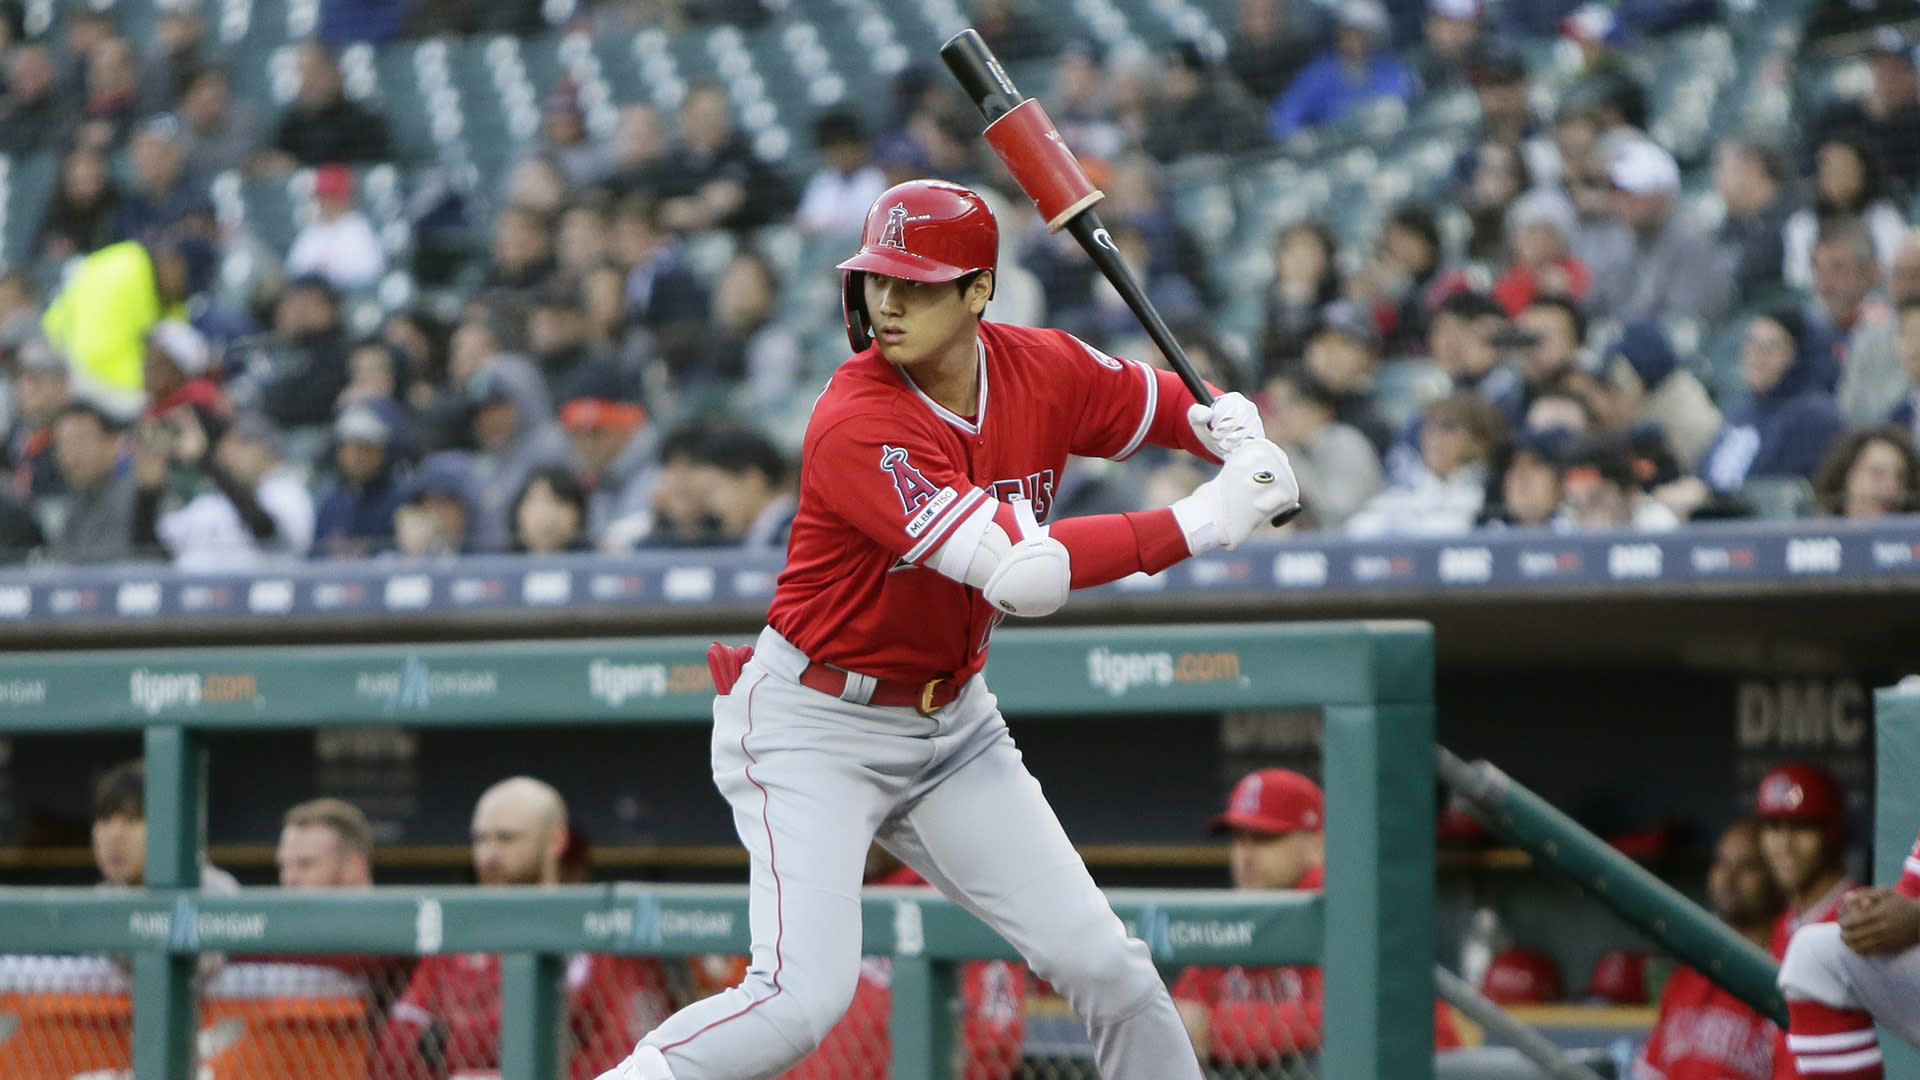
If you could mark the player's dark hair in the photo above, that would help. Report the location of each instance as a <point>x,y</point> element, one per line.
<point>735,448</point>
<point>121,791</point>
<point>1566,306</point>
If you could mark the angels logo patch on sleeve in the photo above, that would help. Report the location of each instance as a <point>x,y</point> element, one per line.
<point>908,482</point>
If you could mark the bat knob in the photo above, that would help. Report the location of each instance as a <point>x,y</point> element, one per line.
<point>1263,477</point>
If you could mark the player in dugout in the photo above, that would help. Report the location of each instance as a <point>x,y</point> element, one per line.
<point>1702,1032</point>
<point>1256,1016</point>
<point>448,1021</point>
<point>926,487</point>
<point>1803,834</point>
<point>1842,977</point>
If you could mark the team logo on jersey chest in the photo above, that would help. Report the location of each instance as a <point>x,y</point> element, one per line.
<point>908,482</point>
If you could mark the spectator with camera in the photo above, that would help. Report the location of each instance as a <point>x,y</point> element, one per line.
<point>257,508</point>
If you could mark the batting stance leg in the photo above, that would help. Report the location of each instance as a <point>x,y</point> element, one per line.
<point>1835,995</point>
<point>808,785</point>
<point>983,832</point>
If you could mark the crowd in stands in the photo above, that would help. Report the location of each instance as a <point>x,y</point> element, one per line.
<point>1525,345</point>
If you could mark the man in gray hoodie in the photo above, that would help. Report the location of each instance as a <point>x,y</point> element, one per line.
<point>99,504</point>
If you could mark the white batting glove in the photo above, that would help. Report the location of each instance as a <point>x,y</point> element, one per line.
<point>1232,420</point>
<point>1256,483</point>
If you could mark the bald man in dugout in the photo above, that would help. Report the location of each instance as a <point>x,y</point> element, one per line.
<point>519,831</point>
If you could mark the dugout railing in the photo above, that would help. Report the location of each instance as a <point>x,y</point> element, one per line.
<point>1373,933</point>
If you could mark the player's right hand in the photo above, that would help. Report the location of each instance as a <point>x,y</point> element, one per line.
<point>1256,483</point>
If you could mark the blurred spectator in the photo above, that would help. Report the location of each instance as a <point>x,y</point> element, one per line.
<point>448,1021</point>
<point>40,393</point>
<point>1559,410</point>
<point>1846,298</point>
<point>678,515</point>
<point>356,518</point>
<point>1265,53</point>
<point>376,22</point>
<point>582,160</point>
<point>512,432</point>
<point>339,244</point>
<point>1396,285</point>
<point>111,299</point>
<point>557,340</point>
<point>1111,324</point>
<point>1645,385</point>
<point>1200,110</point>
<point>1497,178</point>
<point>257,506</point>
<point>322,127</point>
<point>222,135</point>
<point>1461,342</point>
<point>1458,437</point>
<point>120,849</point>
<point>1551,332</point>
<point>613,449</point>
<point>1360,70</point>
<point>749,344</point>
<point>1603,493</point>
<point>1540,230</point>
<point>1238,1016</point>
<point>711,178</point>
<point>304,369</point>
<point>1789,423</point>
<point>1869,473</point>
<point>177,371</point>
<point>1741,891</point>
<point>97,515</point>
<point>537,184</point>
<point>1879,371</point>
<point>1597,30</point>
<point>1333,461</point>
<point>162,193</point>
<point>1530,488</point>
<point>522,250</point>
<point>377,372</point>
<point>175,50</point>
<point>746,484</point>
<point>548,515</point>
<point>1668,269</point>
<point>584,238</point>
<point>112,94</point>
<point>663,295</point>
<point>1583,179</point>
<point>1306,279</point>
<point>1888,117</point>
<point>1499,76</point>
<point>34,116</point>
<point>1080,102</point>
<point>639,150</point>
<point>839,193</point>
<point>1342,356</point>
<point>84,215</point>
<point>439,510</point>
<point>1452,31</point>
<point>1751,178</point>
<point>1848,185</point>
<point>1010,31</point>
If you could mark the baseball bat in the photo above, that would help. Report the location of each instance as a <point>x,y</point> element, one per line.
<point>1049,174</point>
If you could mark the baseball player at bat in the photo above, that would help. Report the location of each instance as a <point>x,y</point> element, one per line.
<point>927,481</point>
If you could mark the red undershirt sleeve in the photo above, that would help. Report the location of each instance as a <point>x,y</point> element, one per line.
<point>1108,547</point>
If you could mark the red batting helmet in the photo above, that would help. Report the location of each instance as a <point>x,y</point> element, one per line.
<point>1521,976</point>
<point>920,230</point>
<point>1803,792</point>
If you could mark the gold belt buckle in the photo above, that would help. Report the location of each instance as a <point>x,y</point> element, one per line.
<point>926,695</point>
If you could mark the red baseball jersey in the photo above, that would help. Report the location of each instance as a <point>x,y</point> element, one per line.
<point>448,1021</point>
<point>1909,883</point>
<point>887,474</point>
<point>1705,1033</point>
<point>1826,909</point>
<point>1257,1015</point>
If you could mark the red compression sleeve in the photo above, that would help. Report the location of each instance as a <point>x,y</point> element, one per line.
<point>1108,547</point>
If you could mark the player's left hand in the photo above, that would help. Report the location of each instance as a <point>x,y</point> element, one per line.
<point>1878,922</point>
<point>1232,420</point>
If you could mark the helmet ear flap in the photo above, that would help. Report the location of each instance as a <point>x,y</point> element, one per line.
<point>853,305</point>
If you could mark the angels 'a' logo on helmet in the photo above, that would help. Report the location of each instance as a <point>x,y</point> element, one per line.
<point>895,234</point>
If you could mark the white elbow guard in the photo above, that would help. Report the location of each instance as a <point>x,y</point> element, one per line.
<point>1034,575</point>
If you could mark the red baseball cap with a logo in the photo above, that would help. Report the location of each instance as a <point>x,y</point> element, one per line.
<point>1273,801</point>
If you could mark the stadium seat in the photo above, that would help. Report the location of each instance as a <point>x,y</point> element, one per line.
<point>1779,498</point>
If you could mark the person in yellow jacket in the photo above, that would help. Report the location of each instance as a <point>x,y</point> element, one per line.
<point>110,302</point>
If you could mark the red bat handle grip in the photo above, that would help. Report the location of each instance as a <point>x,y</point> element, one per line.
<point>1026,140</point>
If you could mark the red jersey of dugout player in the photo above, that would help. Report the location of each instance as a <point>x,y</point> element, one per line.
<point>1253,1016</point>
<point>447,1023</point>
<point>1703,1032</point>
<point>993,1026</point>
<point>1803,832</point>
